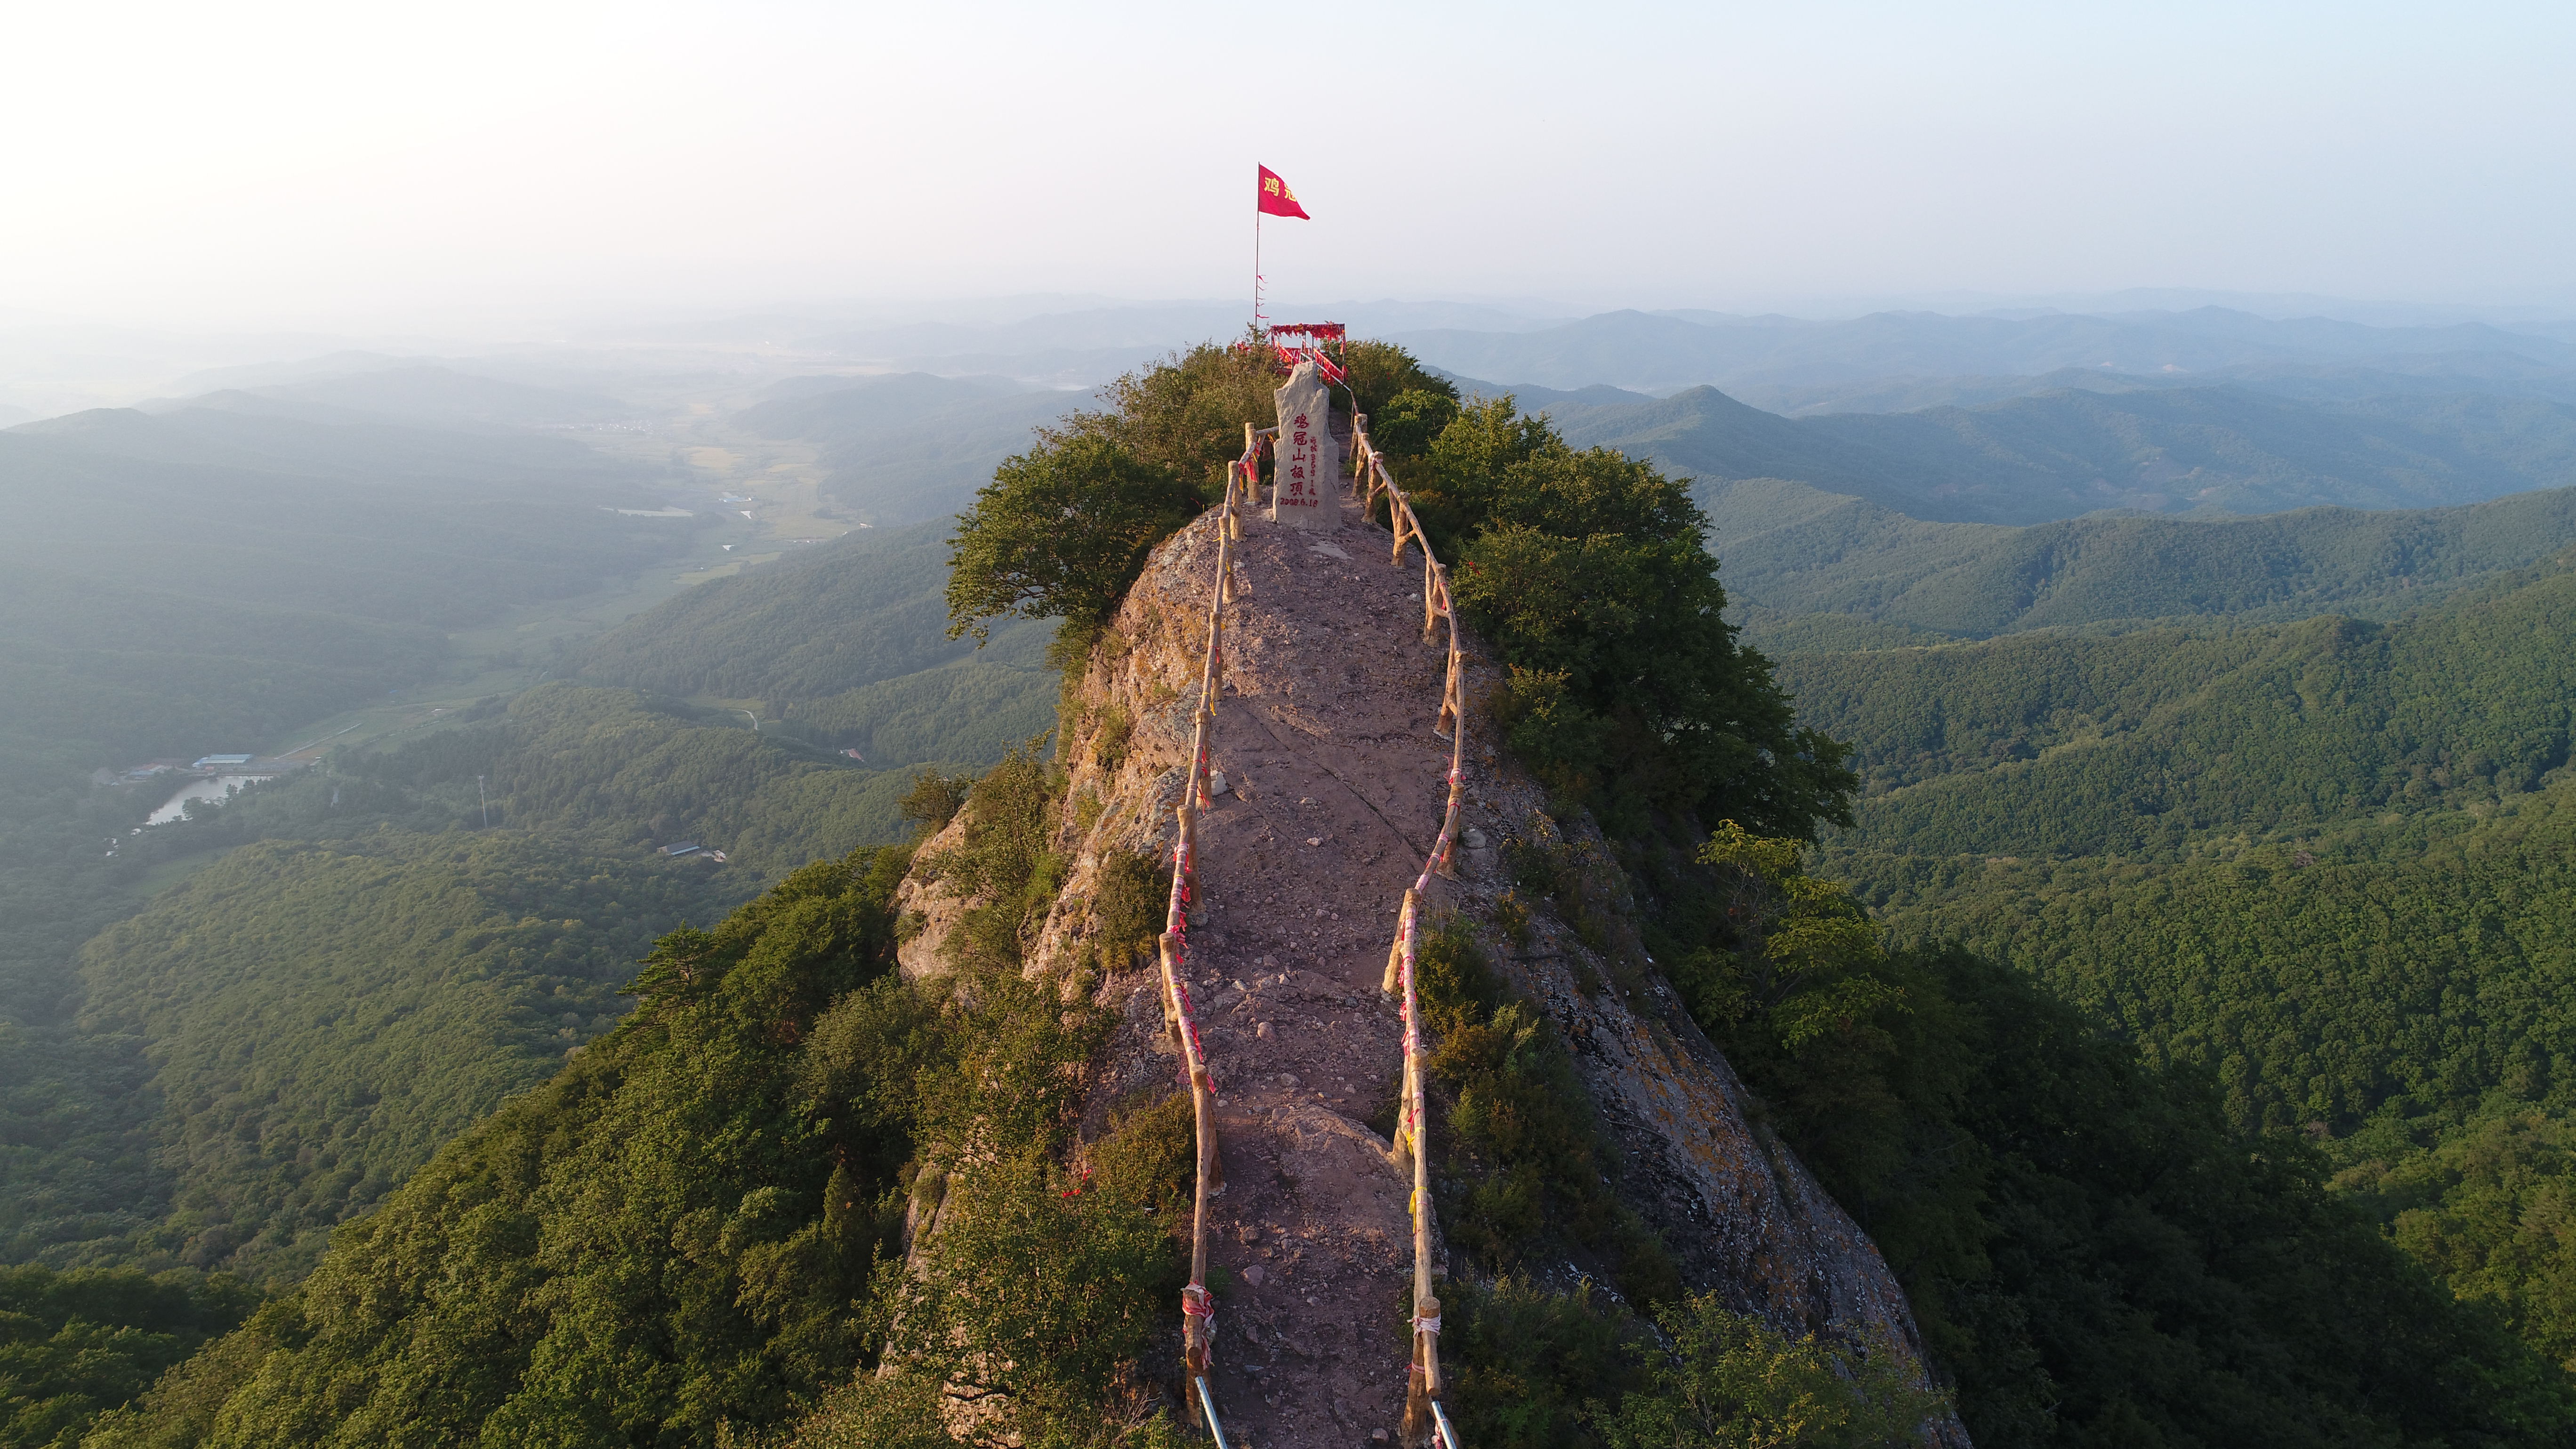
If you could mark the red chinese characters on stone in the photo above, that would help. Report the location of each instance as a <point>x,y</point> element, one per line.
<point>1300,497</point>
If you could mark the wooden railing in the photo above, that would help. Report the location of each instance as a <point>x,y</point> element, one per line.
<point>1198,1310</point>
<point>1424,1416</point>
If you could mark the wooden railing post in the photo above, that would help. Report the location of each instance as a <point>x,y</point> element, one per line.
<point>1395,954</point>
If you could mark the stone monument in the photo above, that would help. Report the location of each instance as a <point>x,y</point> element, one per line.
<point>1306,490</point>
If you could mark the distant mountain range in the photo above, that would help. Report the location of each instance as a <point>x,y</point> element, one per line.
<point>2205,451</point>
<point>1670,350</point>
<point>415,393</point>
<point>905,447</point>
<point>2496,373</point>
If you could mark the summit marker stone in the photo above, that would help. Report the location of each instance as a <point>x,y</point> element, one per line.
<point>1307,493</point>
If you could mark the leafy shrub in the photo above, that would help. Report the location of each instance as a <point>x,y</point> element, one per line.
<point>1129,903</point>
<point>1731,1383</point>
<point>892,1411</point>
<point>1109,746</point>
<point>1060,532</point>
<point>1004,863</point>
<point>1529,1174</point>
<point>1063,529</point>
<point>934,800</point>
<point>1626,691</point>
<point>1524,1365</point>
<point>1036,1291</point>
<point>1405,426</point>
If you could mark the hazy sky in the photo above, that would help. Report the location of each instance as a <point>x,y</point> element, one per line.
<point>340,165</point>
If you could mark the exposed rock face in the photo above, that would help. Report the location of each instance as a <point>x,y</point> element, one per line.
<point>1335,787</point>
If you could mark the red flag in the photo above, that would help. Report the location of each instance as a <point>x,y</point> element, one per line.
<point>1276,198</point>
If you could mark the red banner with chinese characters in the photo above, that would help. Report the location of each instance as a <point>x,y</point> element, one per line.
<point>1276,198</point>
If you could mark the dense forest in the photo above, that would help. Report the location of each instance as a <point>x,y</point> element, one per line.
<point>75,1344</point>
<point>2322,863</point>
<point>317,1018</point>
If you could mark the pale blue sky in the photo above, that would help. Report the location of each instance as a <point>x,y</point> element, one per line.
<point>341,165</point>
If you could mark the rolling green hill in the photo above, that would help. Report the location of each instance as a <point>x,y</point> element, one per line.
<point>187,582</point>
<point>846,645</point>
<point>861,608</point>
<point>610,768</point>
<point>2499,374</point>
<point>2144,743</point>
<point>1791,550</point>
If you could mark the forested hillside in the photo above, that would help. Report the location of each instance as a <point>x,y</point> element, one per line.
<point>2424,962</point>
<point>1791,551</point>
<point>2144,743</point>
<point>620,769</point>
<point>416,393</point>
<point>2325,862</point>
<point>310,1021</point>
<point>200,582</point>
<point>75,1344</point>
<point>275,1042</point>
<point>2497,374</point>
<point>682,1233</point>
<point>861,608</point>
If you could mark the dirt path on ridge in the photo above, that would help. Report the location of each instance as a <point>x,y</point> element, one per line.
<point>1336,786</point>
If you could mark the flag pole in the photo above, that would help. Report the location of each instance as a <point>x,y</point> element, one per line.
<point>1256,255</point>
